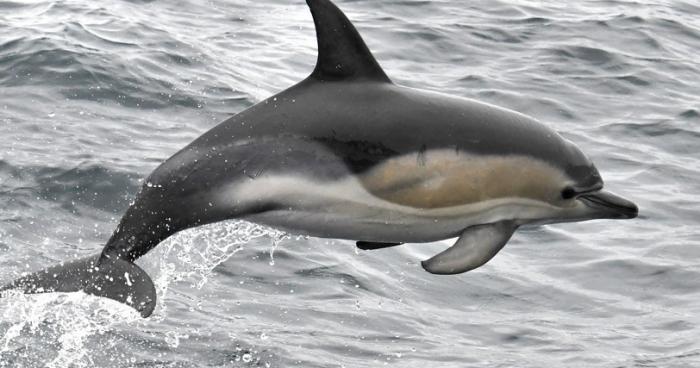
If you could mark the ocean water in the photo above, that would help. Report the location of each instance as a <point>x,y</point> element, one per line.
<point>95,94</point>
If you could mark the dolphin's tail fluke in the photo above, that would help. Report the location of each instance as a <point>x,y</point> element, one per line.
<point>116,279</point>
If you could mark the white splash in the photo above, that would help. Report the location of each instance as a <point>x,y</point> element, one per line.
<point>193,254</point>
<point>62,323</point>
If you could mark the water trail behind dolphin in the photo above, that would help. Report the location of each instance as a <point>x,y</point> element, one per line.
<point>65,322</point>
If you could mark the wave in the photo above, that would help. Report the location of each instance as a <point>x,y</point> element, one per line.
<point>79,63</point>
<point>94,94</point>
<point>88,185</point>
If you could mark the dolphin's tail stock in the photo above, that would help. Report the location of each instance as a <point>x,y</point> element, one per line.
<point>112,278</point>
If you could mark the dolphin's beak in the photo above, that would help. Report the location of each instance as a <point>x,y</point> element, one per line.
<point>607,205</point>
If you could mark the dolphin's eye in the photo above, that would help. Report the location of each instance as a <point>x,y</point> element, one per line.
<point>568,193</point>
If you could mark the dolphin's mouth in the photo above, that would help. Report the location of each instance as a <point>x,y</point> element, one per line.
<point>608,205</point>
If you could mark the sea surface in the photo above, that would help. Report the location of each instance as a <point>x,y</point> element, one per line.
<point>95,94</point>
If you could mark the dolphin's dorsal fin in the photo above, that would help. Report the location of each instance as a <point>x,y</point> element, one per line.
<point>342,54</point>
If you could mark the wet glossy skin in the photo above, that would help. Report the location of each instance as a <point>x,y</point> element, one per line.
<point>328,131</point>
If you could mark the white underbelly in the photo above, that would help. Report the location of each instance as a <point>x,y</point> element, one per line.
<point>346,210</point>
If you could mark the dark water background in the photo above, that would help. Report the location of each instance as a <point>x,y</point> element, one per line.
<point>93,95</point>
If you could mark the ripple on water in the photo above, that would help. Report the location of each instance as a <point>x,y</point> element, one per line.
<point>95,94</point>
<point>690,114</point>
<point>638,279</point>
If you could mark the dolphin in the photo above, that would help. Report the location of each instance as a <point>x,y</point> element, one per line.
<point>348,154</point>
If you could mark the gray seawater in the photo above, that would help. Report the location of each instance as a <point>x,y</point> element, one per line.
<point>94,94</point>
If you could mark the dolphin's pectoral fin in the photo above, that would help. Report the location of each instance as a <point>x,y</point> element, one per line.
<point>476,246</point>
<point>116,279</point>
<point>364,245</point>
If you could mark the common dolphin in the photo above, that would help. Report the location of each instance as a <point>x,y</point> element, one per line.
<point>348,154</point>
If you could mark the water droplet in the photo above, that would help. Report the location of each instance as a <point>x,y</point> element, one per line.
<point>272,252</point>
<point>172,339</point>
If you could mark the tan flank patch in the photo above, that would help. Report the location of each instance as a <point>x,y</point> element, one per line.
<point>446,178</point>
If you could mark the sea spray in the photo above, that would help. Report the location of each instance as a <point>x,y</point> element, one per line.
<point>64,322</point>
